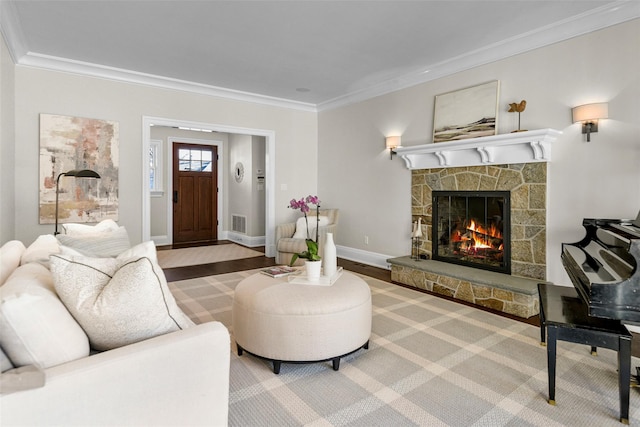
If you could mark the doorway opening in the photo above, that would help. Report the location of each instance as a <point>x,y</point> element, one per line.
<point>269,178</point>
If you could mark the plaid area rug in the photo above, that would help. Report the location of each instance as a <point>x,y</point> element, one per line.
<point>431,362</point>
<point>204,255</point>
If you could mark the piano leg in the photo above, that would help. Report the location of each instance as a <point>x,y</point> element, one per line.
<point>594,351</point>
<point>624,377</point>
<point>543,326</point>
<point>552,332</point>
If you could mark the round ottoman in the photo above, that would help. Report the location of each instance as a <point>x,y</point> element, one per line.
<point>288,322</point>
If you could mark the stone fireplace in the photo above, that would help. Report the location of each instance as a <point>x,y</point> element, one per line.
<point>527,189</point>
<point>510,170</point>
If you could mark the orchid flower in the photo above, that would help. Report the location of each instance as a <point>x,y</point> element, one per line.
<point>312,246</point>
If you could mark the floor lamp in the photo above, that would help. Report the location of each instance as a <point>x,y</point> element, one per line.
<point>78,173</point>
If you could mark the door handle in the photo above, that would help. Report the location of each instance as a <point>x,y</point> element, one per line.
<point>175,196</point>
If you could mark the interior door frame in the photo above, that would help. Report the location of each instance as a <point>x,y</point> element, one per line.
<point>270,159</point>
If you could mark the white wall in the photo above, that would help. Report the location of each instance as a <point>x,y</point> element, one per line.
<point>41,91</point>
<point>7,145</point>
<point>597,179</point>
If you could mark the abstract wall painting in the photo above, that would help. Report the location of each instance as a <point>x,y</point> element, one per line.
<point>68,143</point>
<point>466,113</point>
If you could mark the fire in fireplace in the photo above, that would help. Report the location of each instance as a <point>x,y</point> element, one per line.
<point>472,228</point>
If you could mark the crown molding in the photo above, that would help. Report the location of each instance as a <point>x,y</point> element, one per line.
<point>11,31</point>
<point>596,19</point>
<point>36,60</point>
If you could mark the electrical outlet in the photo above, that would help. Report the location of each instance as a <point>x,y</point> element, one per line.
<point>366,240</point>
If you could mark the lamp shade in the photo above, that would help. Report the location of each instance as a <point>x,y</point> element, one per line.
<point>82,173</point>
<point>393,142</point>
<point>590,112</point>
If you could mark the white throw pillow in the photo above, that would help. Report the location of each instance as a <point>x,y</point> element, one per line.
<point>301,226</point>
<point>101,244</point>
<point>10,254</point>
<point>73,229</point>
<point>118,301</point>
<point>36,327</point>
<point>40,250</point>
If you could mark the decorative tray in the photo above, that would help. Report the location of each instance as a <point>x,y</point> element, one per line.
<point>323,281</point>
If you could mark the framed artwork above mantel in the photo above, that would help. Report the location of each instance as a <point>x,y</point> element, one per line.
<point>466,113</point>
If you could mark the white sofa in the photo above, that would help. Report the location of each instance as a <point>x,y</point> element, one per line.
<point>176,378</point>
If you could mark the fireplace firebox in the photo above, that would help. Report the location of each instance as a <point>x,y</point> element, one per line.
<point>472,228</point>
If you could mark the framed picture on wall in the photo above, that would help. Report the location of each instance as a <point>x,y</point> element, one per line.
<point>466,113</point>
<point>76,143</point>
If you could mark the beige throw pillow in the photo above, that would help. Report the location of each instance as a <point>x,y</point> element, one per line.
<point>73,229</point>
<point>101,244</point>
<point>118,301</point>
<point>10,254</point>
<point>301,226</point>
<point>36,328</point>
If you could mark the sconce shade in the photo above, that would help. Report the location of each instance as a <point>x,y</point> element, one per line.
<point>590,112</point>
<point>393,142</point>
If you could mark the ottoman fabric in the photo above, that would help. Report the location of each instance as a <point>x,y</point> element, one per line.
<point>283,321</point>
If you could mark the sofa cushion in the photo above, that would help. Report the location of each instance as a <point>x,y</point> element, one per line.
<point>118,301</point>
<point>36,327</point>
<point>10,254</point>
<point>23,378</point>
<point>73,229</point>
<point>40,250</point>
<point>98,244</point>
<point>5,363</point>
<point>301,226</point>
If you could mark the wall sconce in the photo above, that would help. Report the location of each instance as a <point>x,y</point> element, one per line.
<point>588,115</point>
<point>79,173</point>
<point>393,142</point>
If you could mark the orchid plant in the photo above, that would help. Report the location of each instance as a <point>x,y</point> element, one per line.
<point>312,245</point>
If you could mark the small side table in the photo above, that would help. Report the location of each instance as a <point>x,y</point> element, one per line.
<point>565,317</point>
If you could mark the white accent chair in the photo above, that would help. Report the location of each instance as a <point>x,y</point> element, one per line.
<point>287,245</point>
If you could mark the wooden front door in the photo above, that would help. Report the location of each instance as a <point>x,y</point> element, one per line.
<point>195,187</point>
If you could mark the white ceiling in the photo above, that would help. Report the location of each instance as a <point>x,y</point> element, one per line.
<point>309,54</point>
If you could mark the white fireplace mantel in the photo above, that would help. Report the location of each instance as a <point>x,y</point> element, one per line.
<point>519,147</point>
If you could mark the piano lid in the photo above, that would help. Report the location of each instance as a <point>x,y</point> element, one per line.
<point>604,268</point>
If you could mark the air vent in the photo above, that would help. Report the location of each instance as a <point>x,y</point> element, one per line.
<point>239,223</point>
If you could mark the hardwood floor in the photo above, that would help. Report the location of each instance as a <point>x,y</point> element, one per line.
<point>191,272</point>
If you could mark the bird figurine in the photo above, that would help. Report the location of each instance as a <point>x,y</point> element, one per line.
<point>517,108</point>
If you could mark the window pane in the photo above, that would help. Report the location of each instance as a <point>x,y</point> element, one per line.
<point>184,156</point>
<point>196,155</point>
<point>206,155</point>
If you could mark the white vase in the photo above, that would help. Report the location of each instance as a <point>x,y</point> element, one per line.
<point>329,258</point>
<point>313,270</point>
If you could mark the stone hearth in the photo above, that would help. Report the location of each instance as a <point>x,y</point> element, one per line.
<point>508,294</point>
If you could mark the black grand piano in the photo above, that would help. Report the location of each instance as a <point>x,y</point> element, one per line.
<point>604,267</point>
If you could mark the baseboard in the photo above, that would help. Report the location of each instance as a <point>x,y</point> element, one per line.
<point>161,240</point>
<point>243,239</point>
<point>239,238</point>
<point>365,257</point>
